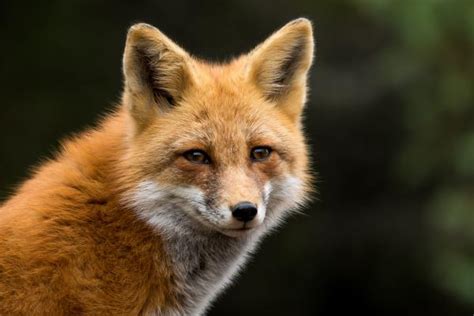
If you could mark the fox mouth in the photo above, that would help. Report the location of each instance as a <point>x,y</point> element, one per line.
<point>241,229</point>
<point>238,232</point>
<point>233,232</point>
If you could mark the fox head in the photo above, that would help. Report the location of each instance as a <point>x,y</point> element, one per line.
<point>218,147</point>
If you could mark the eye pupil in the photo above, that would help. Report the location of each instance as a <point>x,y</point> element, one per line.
<point>260,153</point>
<point>197,156</point>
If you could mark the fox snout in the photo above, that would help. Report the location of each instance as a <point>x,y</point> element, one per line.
<point>242,198</point>
<point>244,211</point>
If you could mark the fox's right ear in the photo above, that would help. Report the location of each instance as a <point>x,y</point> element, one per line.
<point>155,70</point>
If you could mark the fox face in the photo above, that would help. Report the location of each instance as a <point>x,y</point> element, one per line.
<point>217,147</point>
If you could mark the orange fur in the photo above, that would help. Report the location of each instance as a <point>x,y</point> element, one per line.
<point>69,245</point>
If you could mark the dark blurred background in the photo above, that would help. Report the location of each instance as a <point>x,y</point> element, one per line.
<point>390,119</point>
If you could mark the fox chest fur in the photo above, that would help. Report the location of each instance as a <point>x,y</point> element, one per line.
<point>154,211</point>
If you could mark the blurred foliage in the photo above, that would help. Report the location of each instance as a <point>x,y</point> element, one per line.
<point>438,153</point>
<point>390,119</point>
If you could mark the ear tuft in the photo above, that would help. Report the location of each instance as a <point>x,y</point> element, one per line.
<point>280,64</point>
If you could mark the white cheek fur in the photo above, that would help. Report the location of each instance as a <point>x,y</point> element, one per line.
<point>286,194</point>
<point>167,208</point>
<point>161,206</point>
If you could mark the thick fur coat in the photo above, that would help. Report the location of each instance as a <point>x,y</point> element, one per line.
<point>135,217</point>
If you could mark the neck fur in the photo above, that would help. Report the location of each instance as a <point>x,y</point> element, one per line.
<point>203,261</point>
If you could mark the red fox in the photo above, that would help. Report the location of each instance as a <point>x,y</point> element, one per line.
<point>154,211</point>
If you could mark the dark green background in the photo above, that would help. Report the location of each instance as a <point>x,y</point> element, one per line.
<point>390,119</point>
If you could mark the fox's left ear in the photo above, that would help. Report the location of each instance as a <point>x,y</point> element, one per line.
<point>279,66</point>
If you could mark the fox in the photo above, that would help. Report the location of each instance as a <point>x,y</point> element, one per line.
<point>157,208</point>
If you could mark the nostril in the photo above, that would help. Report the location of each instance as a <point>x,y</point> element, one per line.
<point>244,211</point>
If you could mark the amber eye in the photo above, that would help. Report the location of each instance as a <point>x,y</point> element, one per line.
<point>197,156</point>
<point>260,153</point>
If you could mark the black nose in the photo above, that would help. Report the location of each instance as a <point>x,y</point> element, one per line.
<point>244,211</point>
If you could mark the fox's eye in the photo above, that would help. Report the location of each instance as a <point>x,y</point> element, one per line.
<point>260,153</point>
<point>197,156</point>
